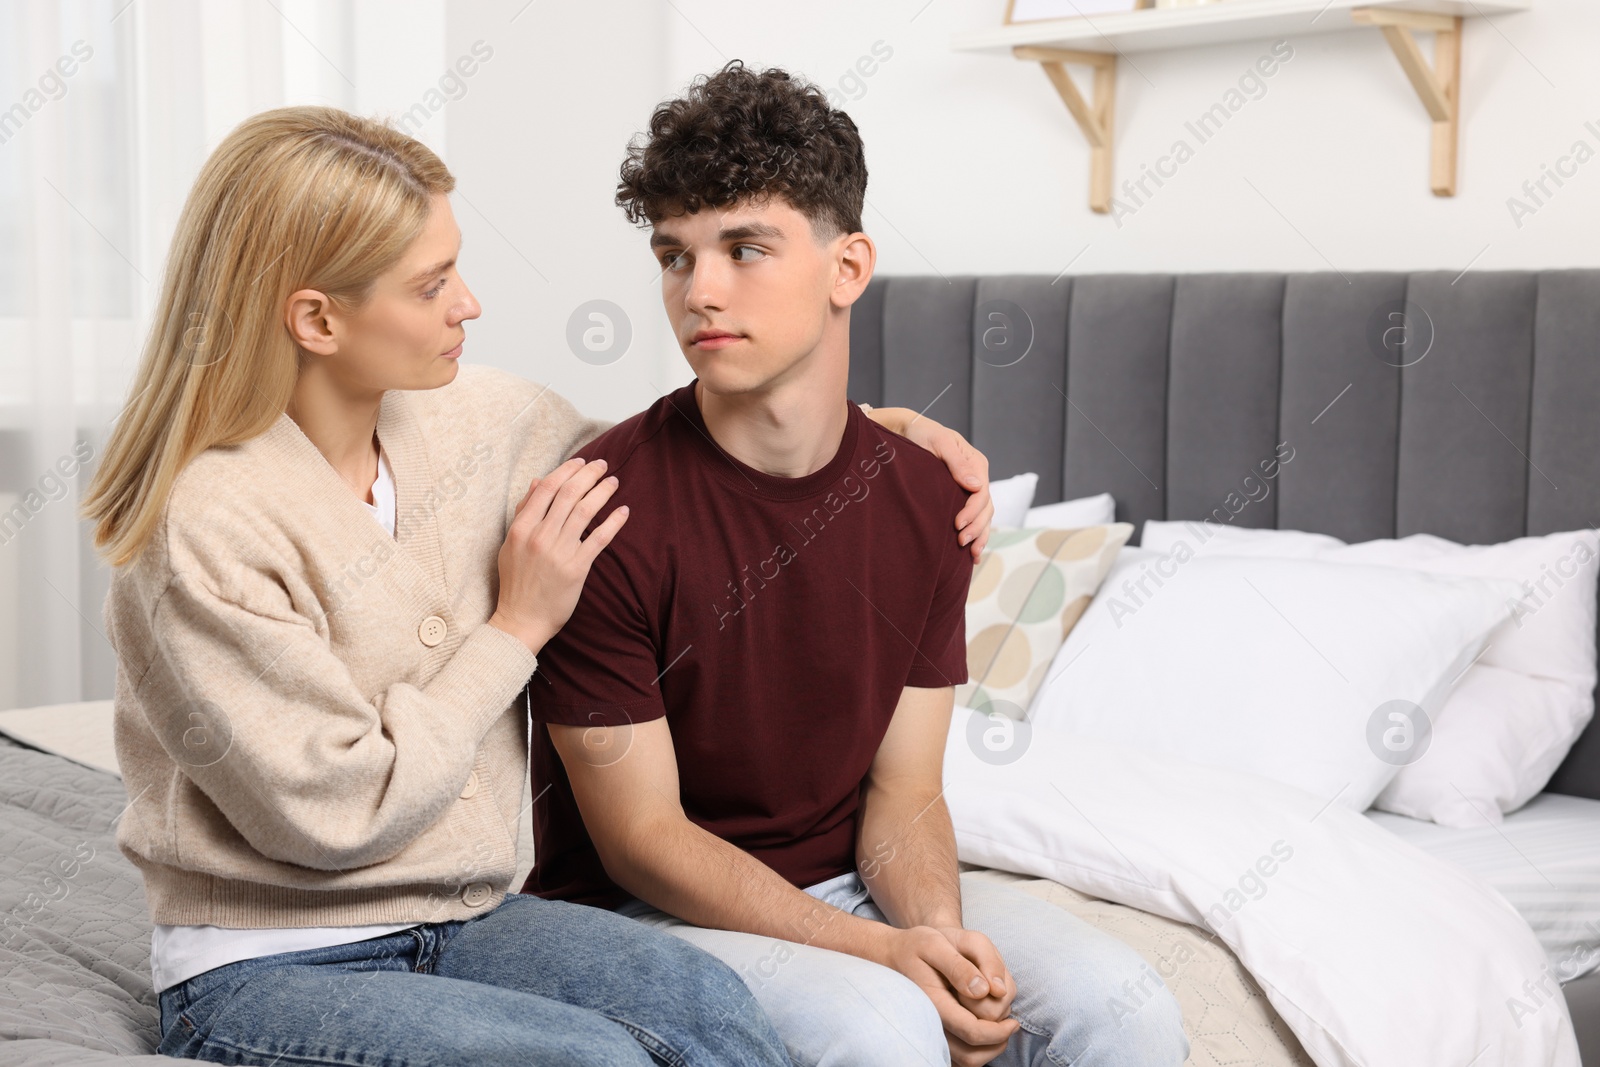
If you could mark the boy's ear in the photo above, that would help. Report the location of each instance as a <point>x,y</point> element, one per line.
<point>858,257</point>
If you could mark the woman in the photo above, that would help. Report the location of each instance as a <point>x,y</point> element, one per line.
<point>316,712</point>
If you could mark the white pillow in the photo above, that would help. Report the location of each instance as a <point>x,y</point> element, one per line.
<point>1011,499</point>
<point>1518,710</point>
<point>1288,669</point>
<point>1073,514</point>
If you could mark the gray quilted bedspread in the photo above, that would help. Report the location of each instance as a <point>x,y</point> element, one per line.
<point>74,935</point>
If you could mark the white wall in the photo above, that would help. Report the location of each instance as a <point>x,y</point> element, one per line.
<point>977,168</point>
<point>535,144</point>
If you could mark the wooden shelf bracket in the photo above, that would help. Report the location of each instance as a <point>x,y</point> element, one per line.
<point>1056,44</point>
<point>1437,84</point>
<point>1096,119</point>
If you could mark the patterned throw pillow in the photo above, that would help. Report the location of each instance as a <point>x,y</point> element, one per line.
<point>1029,590</point>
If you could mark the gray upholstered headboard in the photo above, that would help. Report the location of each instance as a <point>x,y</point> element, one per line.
<point>1467,407</point>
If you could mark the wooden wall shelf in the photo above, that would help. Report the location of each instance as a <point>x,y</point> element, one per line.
<point>1096,41</point>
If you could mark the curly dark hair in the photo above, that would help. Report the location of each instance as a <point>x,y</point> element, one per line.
<point>739,134</point>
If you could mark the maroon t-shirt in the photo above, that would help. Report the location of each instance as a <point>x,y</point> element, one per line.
<point>773,621</point>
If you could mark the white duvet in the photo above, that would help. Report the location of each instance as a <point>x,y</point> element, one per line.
<point>1373,952</point>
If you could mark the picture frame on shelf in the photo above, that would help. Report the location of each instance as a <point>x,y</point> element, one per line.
<point>1047,10</point>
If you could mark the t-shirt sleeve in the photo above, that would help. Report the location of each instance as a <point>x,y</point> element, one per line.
<point>942,652</point>
<point>601,668</point>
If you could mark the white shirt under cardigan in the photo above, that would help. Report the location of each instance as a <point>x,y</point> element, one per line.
<point>178,953</point>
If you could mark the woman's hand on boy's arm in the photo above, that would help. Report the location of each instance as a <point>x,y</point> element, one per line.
<point>968,466</point>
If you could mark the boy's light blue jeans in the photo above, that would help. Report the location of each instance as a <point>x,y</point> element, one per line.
<point>1083,997</point>
<point>533,982</point>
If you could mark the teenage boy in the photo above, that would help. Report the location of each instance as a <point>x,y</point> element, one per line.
<point>746,715</point>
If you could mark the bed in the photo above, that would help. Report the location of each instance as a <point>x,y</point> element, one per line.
<point>75,949</point>
<point>1163,389</point>
<point>1194,376</point>
<point>74,959</point>
<point>1544,859</point>
<point>74,956</point>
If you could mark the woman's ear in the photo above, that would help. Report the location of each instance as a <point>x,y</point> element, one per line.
<point>858,256</point>
<point>307,314</point>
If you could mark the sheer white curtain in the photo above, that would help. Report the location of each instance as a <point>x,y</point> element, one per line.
<point>107,110</point>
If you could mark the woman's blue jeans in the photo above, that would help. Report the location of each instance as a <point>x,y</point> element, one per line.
<point>533,982</point>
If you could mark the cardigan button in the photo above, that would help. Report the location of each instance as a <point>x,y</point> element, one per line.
<point>432,630</point>
<point>470,790</point>
<point>476,895</point>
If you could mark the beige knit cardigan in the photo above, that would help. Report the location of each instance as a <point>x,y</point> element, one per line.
<point>315,723</point>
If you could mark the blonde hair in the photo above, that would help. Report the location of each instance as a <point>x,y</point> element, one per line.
<point>296,198</point>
